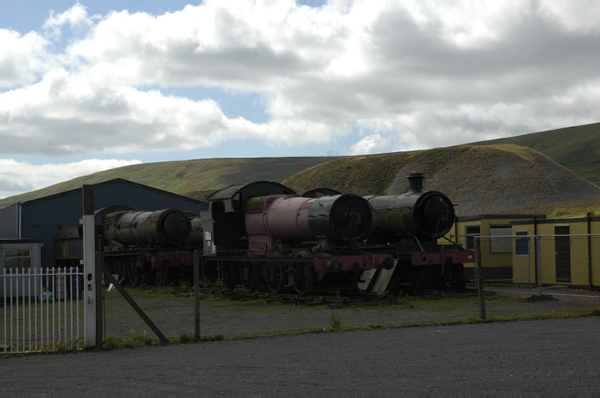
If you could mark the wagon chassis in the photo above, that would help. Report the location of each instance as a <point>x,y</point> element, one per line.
<point>278,273</point>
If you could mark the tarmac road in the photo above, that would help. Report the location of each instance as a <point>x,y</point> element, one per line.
<point>534,357</point>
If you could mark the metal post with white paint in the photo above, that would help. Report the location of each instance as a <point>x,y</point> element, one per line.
<point>89,266</point>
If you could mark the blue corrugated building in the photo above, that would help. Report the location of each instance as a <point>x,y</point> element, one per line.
<point>40,218</point>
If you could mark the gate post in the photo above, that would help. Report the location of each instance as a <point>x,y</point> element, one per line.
<point>89,267</point>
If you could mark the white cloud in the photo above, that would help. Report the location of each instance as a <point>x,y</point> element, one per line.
<point>22,58</point>
<point>371,144</point>
<point>17,177</point>
<point>578,16</point>
<point>76,17</point>
<point>409,74</point>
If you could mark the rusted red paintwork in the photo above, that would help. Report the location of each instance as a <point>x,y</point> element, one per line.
<point>442,257</point>
<point>175,259</point>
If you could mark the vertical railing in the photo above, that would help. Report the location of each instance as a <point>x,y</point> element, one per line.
<point>39,313</point>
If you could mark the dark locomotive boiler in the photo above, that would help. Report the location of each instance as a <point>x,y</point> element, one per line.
<point>168,227</point>
<point>150,247</point>
<point>410,225</point>
<point>424,215</point>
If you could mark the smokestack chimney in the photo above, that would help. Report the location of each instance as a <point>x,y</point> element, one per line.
<point>415,182</point>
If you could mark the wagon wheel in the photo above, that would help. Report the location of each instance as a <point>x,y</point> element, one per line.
<point>164,275</point>
<point>250,275</point>
<point>110,266</point>
<point>132,277</point>
<point>228,276</point>
<point>303,278</point>
<point>134,270</point>
<point>146,278</point>
<point>275,277</point>
<point>458,278</point>
<point>161,277</point>
<point>119,271</point>
<point>417,277</point>
<point>145,272</point>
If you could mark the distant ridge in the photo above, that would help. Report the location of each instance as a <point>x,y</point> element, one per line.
<point>481,178</point>
<point>577,148</point>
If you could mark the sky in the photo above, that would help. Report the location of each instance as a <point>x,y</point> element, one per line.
<point>93,85</point>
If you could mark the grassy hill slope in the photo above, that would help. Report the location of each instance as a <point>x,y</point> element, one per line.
<point>480,179</point>
<point>186,177</point>
<point>577,148</point>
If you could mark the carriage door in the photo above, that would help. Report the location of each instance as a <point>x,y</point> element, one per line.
<point>562,248</point>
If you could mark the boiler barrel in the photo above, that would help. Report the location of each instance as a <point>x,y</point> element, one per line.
<point>170,227</point>
<point>291,218</point>
<point>427,214</point>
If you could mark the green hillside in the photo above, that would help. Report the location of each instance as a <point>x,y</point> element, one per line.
<point>479,179</point>
<point>189,177</point>
<point>475,176</point>
<point>577,148</point>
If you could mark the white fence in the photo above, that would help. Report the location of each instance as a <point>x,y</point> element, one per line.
<point>42,310</point>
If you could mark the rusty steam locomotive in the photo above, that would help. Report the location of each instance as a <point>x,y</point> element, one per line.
<point>263,235</point>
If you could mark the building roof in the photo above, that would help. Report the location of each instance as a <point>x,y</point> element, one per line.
<point>503,217</point>
<point>4,241</point>
<point>256,188</point>
<point>110,182</point>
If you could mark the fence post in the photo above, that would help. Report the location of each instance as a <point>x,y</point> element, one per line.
<point>196,295</point>
<point>538,263</point>
<point>89,266</point>
<point>479,272</point>
<point>589,242</point>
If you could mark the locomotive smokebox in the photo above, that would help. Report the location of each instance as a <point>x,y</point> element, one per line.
<point>341,217</point>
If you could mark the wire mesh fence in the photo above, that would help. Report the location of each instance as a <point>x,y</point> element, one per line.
<point>523,276</point>
<point>42,310</point>
<point>560,268</point>
<point>170,308</point>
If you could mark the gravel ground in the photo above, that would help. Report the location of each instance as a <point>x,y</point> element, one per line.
<point>224,317</point>
<point>535,357</point>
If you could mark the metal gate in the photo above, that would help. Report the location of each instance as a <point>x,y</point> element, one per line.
<point>42,310</point>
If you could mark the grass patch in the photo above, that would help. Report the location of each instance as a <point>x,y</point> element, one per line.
<point>337,327</point>
<point>136,340</point>
<point>335,322</point>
